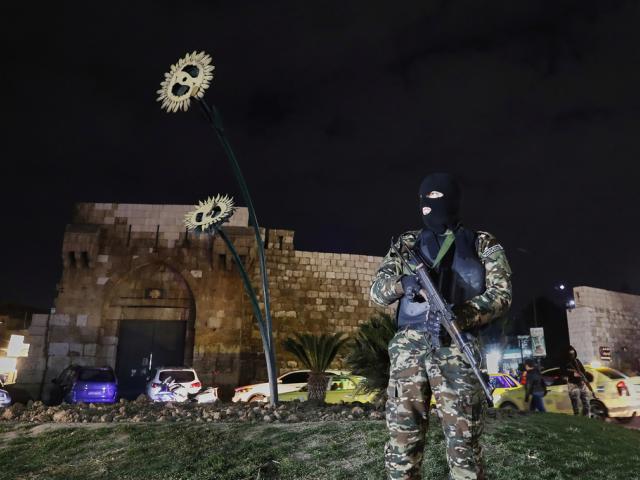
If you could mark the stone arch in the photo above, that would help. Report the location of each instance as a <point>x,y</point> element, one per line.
<point>151,290</point>
<point>140,261</point>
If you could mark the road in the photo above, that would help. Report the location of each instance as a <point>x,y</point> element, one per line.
<point>635,424</point>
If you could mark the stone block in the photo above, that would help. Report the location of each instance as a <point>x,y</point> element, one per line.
<point>36,331</point>
<point>58,349</point>
<point>213,323</point>
<point>31,363</point>
<point>106,351</point>
<point>75,349</point>
<point>39,319</point>
<point>89,350</point>
<point>59,334</point>
<point>81,320</point>
<point>87,334</point>
<point>106,340</point>
<point>56,364</point>
<point>60,319</point>
<point>29,377</point>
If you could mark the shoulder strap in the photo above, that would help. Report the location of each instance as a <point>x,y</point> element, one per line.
<point>444,248</point>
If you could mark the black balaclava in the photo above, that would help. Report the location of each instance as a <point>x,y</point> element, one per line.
<point>445,210</point>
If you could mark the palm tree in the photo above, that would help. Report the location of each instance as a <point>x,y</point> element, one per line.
<point>315,352</point>
<point>369,356</point>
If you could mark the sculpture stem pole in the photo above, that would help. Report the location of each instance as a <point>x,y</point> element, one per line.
<point>256,310</point>
<point>212,115</point>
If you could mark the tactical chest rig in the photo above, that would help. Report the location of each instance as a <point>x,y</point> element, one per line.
<point>458,276</point>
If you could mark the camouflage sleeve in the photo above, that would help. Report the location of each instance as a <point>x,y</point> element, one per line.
<point>385,288</point>
<point>496,299</point>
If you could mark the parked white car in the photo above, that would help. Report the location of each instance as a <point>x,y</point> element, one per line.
<point>289,382</point>
<point>185,376</point>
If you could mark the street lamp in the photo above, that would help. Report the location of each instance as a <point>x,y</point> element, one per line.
<point>568,300</point>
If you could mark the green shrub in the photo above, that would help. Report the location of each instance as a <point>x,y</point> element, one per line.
<point>369,356</point>
<point>316,352</point>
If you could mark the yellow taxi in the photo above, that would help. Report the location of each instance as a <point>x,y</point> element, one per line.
<point>616,395</point>
<point>340,389</point>
<point>502,383</point>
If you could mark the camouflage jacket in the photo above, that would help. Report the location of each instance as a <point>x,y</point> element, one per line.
<point>481,309</point>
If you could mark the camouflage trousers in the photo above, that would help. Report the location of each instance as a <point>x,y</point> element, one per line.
<point>579,392</point>
<point>417,370</point>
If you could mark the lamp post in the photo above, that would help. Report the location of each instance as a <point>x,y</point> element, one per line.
<point>534,299</point>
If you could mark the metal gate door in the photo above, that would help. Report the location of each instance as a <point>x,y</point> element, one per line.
<point>144,345</point>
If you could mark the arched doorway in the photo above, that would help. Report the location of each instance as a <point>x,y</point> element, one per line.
<point>154,310</point>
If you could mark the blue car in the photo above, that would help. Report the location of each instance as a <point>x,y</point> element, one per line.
<point>85,384</point>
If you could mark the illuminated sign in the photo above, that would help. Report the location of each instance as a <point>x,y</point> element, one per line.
<point>605,353</point>
<point>538,346</point>
<point>17,347</point>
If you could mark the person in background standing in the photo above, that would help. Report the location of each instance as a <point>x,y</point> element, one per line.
<point>577,377</point>
<point>536,389</point>
<point>523,374</point>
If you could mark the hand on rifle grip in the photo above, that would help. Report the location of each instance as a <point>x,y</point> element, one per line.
<point>410,285</point>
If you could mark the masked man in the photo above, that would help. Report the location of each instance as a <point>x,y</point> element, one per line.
<point>471,272</point>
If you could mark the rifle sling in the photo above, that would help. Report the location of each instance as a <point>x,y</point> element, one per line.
<point>444,248</point>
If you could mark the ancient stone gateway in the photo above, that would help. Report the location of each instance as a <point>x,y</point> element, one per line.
<point>137,290</point>
<point>151,313</point>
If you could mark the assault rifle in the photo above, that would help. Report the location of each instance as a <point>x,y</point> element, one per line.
<point>584,377</point>
<point>443,312</point>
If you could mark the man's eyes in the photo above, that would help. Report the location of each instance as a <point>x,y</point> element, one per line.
<point>434,194</point>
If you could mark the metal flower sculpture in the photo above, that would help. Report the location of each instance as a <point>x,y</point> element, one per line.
<point>210,214</point>
<point>187,78</point>
<point>208,217</point>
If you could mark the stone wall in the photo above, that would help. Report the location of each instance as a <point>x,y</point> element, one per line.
<point>607,319</point>
<point>114,254</point>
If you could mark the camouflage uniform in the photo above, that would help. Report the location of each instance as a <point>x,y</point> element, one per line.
<point>418,368</point>
<point>576,387</point>
<point>582,393</point>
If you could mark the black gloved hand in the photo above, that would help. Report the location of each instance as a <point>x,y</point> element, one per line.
<point>410,285</point>
<point>466,316</point>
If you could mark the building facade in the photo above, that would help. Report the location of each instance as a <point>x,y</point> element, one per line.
<point>604,326</point>
<point>138,290</point>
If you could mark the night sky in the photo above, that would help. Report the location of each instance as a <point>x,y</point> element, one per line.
<point>336,111</point>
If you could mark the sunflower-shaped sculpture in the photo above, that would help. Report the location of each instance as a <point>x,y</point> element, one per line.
<point>187,78</point>
<point>210,213</point>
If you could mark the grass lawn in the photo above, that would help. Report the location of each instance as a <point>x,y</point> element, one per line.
<point>536,447</point>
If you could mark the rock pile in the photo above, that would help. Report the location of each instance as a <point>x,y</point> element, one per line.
<point>141,410</point>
